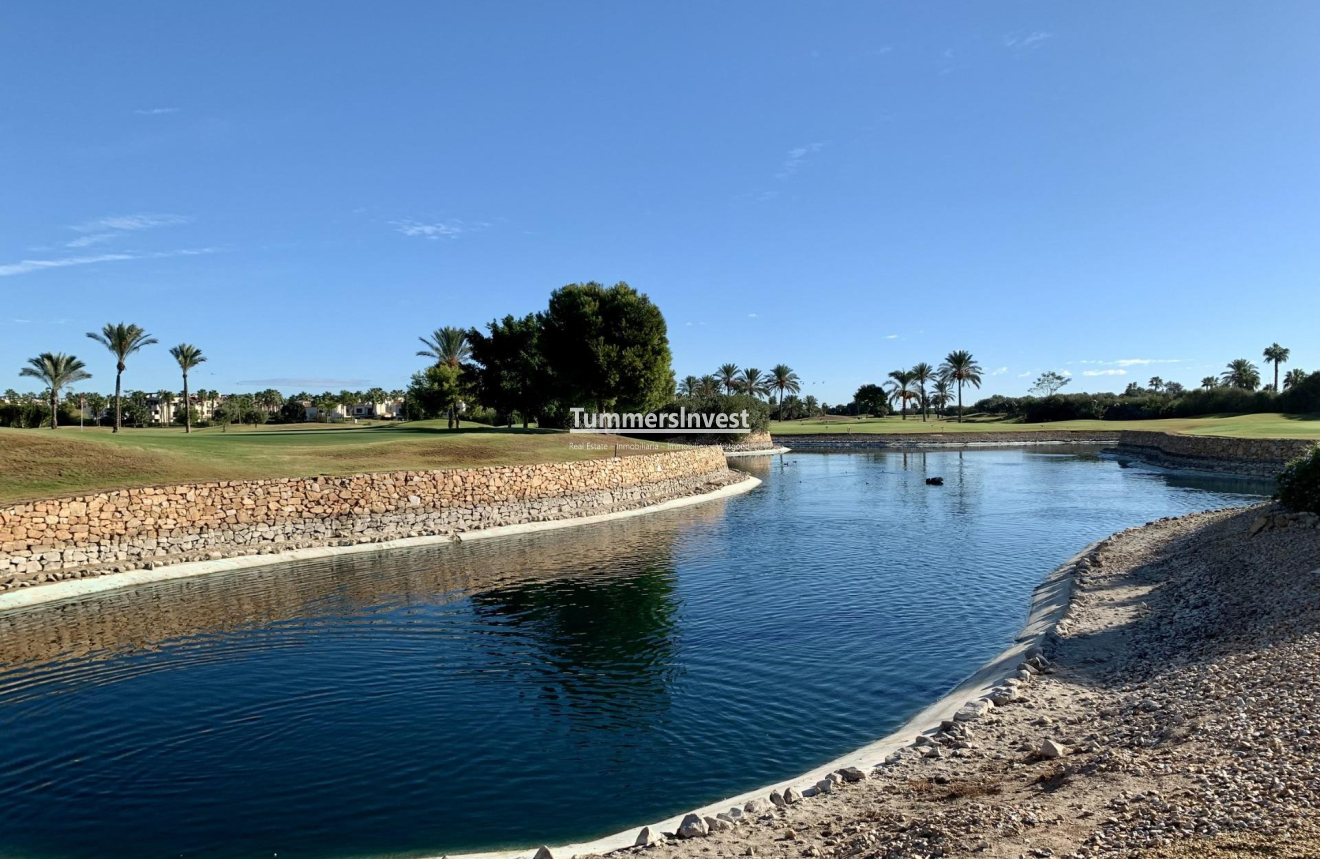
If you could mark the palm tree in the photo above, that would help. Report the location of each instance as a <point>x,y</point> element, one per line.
<point>784,380</point>
<point>55,370</point>
<point>728,376</point>
<point>1241,373</point>
<point>448,346</point>
<point>1277,355</point>
<point>921,374</point>
<point>123,340</point>
<point>961,368</point>
<point>188,356</point>
<point>166,399</point>
<point>708,386</point>
<point>941,394</point>
<point>901,389</point>
<point>1294,378</point>
<point>751,382</point>
<point>1209,382</point>
<point>1156,384</point>
<point>376,396</point>
<point>688,387</point>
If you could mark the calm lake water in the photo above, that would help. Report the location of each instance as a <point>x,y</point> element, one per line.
<point>543,688</point>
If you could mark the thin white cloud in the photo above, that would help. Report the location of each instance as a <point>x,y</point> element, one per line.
<point>155,111</point>
<point>30,265</point>
<point>891,336</point>
<point>131,223</point>
<point>450,229</point>
<point>1026,41</point>
<point>1026,375</point>
<point>90,239</point>
<point>1104,372</point>
<point>795,158</point>
<point>752,315</point>
<point>1001,371</point>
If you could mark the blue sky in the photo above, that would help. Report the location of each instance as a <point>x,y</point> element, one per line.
<point>303,188</point>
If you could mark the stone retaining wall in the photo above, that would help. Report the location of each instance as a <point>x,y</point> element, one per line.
<point>1259,456</point>
<point>752,441</point>
<point>135,528</point>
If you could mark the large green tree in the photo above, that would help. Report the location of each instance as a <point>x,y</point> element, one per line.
<point>511,375</point>
<point>122,340</point>
<point>188,357</point>
<point>961,368</point>
<point>871,400</point>
<point>55,370</point>
<point>607,348</point>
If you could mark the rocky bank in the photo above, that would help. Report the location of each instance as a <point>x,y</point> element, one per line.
<point>1174,712</point>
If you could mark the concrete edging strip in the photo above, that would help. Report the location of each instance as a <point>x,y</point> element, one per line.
<point>769,451</point>
<point>26,597</point>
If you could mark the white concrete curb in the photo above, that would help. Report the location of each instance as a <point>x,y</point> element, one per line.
<point>39,594</point>
<point>1048,604</point>
<point>769,451</point>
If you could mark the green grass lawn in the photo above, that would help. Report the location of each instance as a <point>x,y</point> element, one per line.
<point>41,463</point>
<point>1237,426</point>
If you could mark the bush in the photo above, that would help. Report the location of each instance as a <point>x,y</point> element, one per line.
<point>1299,483</point>
<point>758,415</point>
<point>1302,398</point>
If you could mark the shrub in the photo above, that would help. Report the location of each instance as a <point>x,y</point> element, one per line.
<point>758,415</point>
<point>1302,398</point>
<point>1299,483</point>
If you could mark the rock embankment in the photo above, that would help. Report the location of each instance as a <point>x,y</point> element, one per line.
<point>1263,457</point>
<point>134,528</point>
<point>1172,714</point>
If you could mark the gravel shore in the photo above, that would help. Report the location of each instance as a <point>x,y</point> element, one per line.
<point>1175,713</point>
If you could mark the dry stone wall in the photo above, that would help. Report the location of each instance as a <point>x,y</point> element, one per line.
<point>134,528</point>
<point>1258,456</point>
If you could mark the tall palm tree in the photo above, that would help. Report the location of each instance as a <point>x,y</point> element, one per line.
<point>1276,355</point>
<point>188,357</point>
<point>688,387</point>
<point>901,388</point>
<point>55,370</point>
<point>754,384</point>
<point>941,394</point>
<point>784,380</point>
<point>961,369</point>
<point>122,340</point>
<point>1294,378</point>
<point>708,386</point>
<point>1241,373</point>
<point>922,374</point>
<point>447,345</point>
<point>728,376</point>
<point>1209,382</point>
<point>376,396</point>
<point>1156,384</point>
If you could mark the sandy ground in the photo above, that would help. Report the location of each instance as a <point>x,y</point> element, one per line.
<point>1182,690</point>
